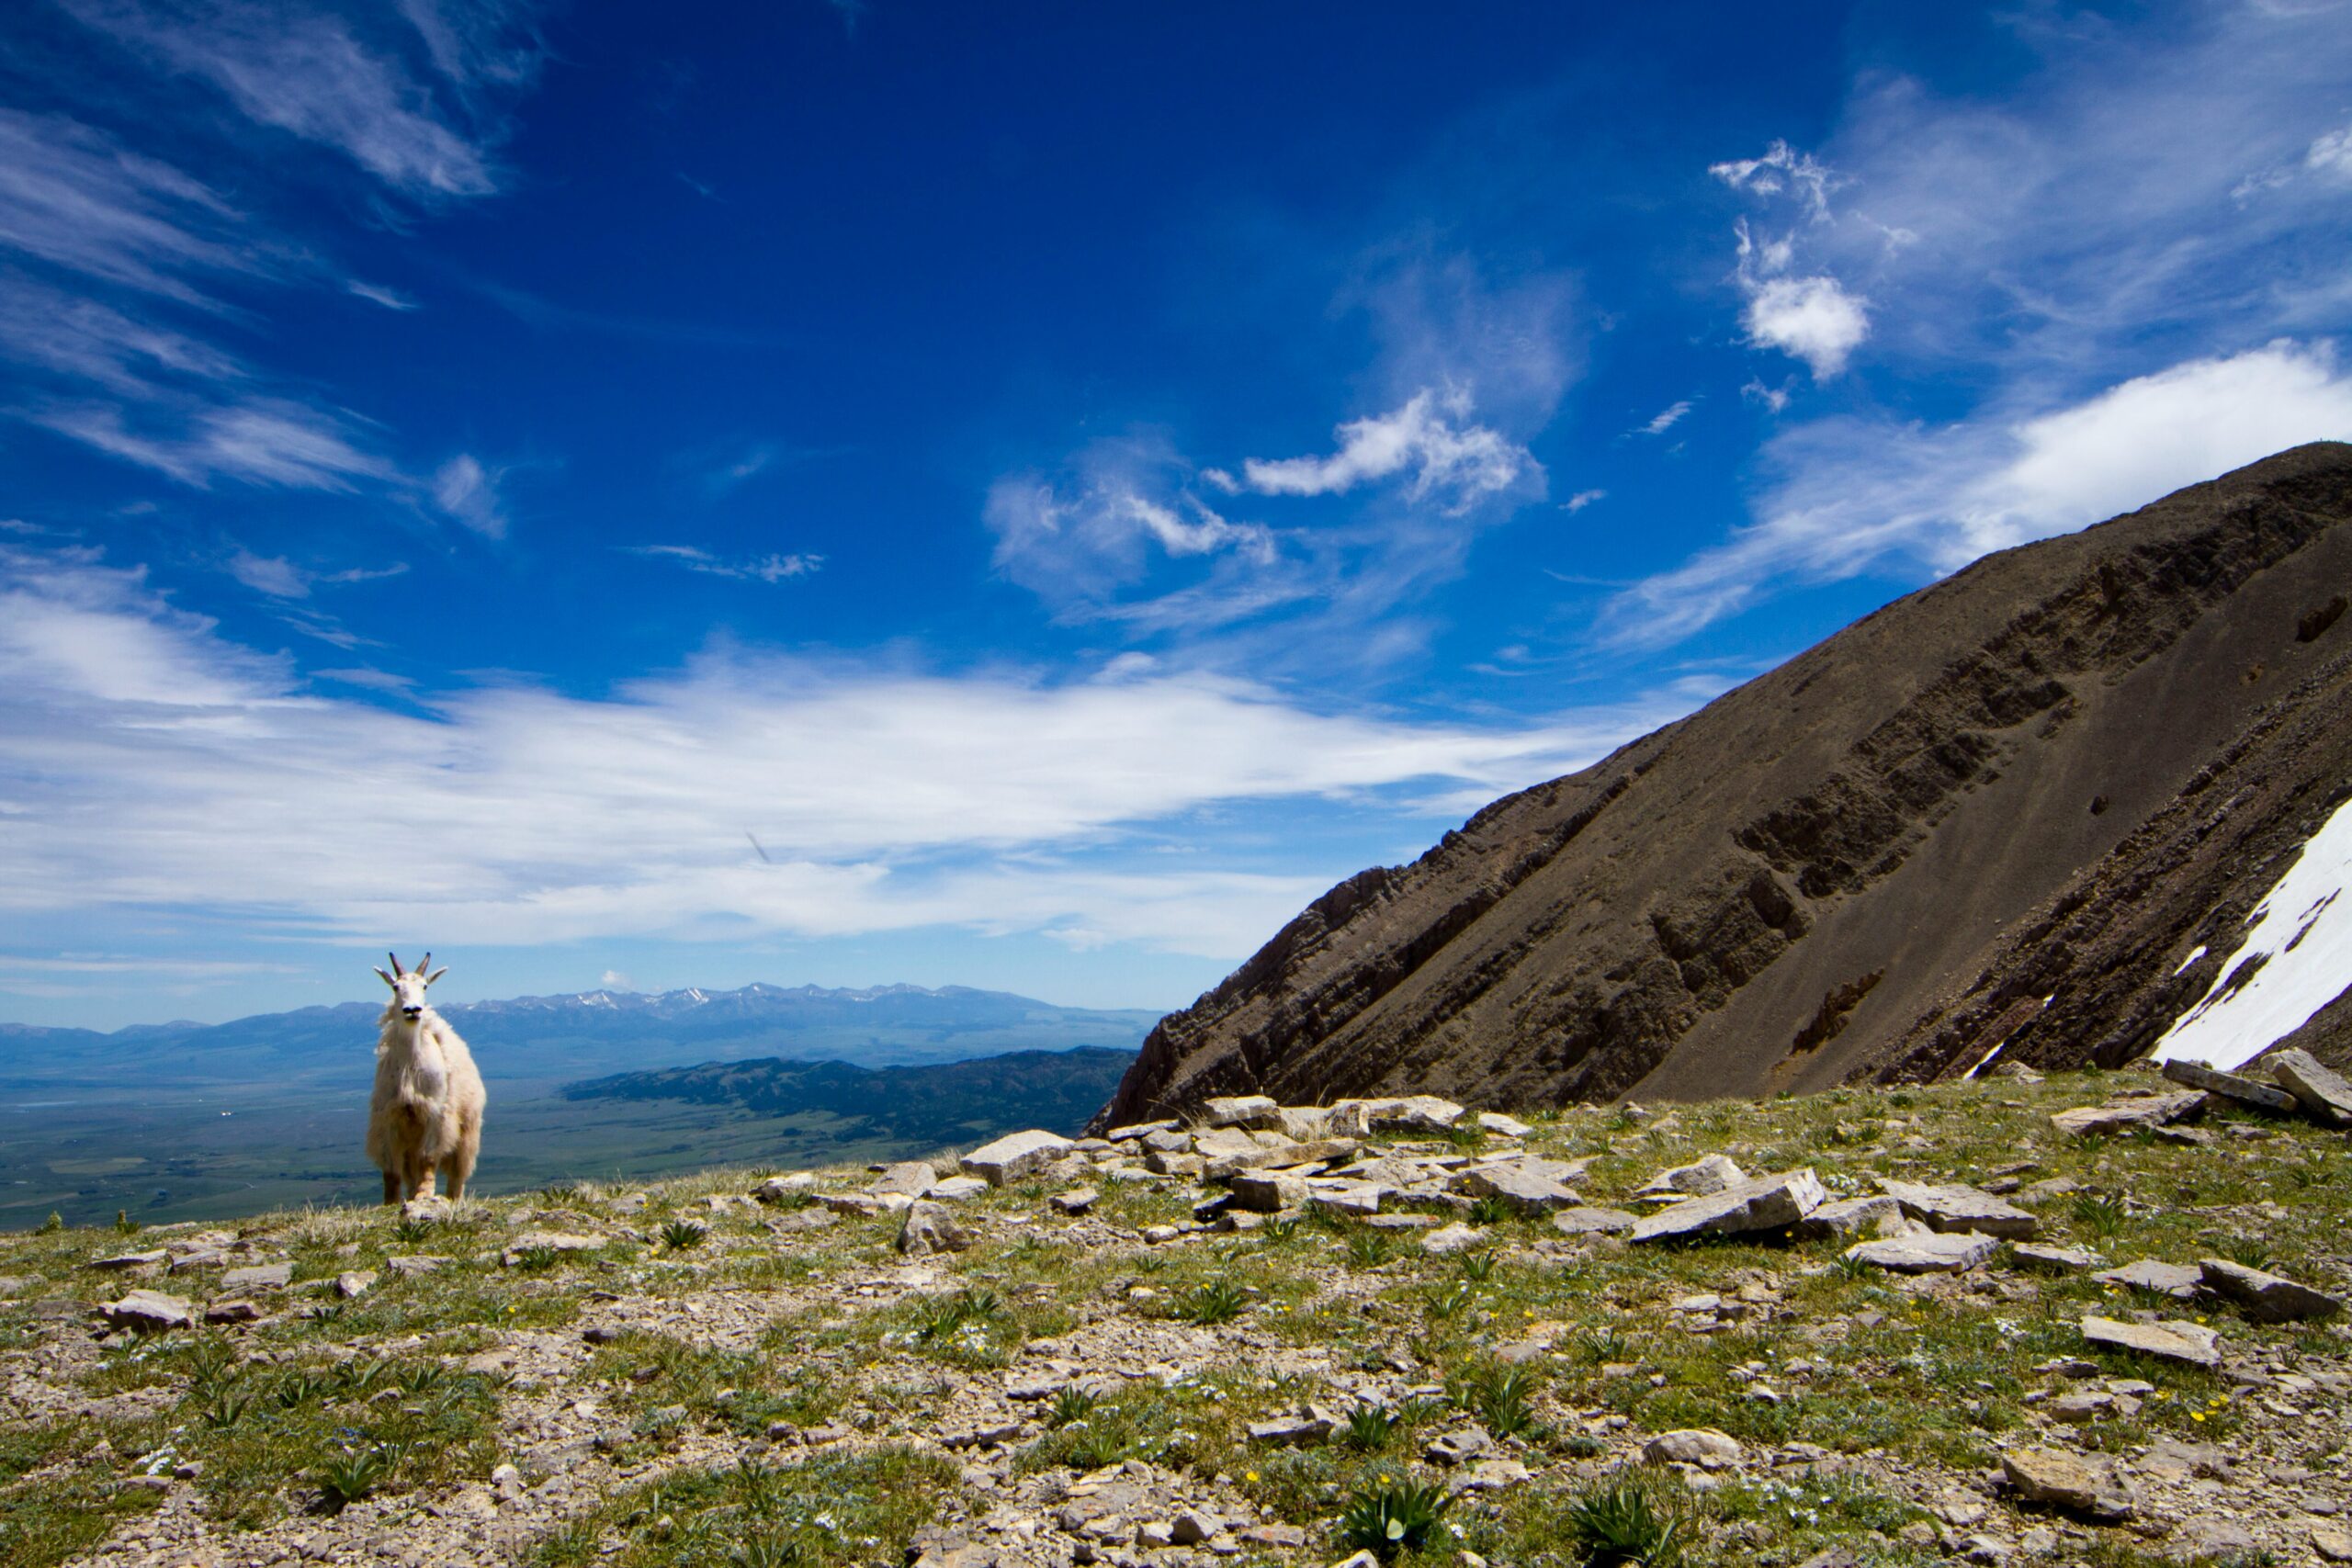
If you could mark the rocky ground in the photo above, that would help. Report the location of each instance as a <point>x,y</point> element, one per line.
<point>2087,1319</point>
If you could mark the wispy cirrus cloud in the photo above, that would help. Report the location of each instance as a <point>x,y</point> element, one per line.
<point>279,577</point>
<point>1430,439</point>
<point>772,567</point>
<point>308,73</point>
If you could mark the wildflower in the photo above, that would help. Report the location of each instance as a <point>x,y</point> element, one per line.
<point>1249,1475</point>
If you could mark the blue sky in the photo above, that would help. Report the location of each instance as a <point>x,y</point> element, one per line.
<point>1028,496</point>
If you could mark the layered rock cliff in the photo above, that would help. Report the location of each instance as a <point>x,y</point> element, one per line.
<point>2001,811</point>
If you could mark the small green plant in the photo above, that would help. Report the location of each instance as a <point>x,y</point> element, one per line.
<point>51,1225</point>
<point>124,1223</point>
<point>1500,1395</point>
<point>2101,1214</point>
<point>1369,1427</point>
<point>1368,1248</point>
<point>765,1552</point>
<point>1071,1405</point>
<point>295,1389</point>
<point>536,1260</point>
<point>420,1377</point>
<point>1447,1301</point>
<point>680,1235</point>
<point>1277,1230</point>
<point>1854,1270</point>
<point>943,1317</point>
<point>1477,1267</point>
<point>356,1378</point>
<point>1601,1346</point>
<point>413,1232</point>
<point>224,1410</point>
<point>2247,1251</point>
<point>348,1476</point>
<point>1491,1211</point>
<point>1399,1516</point>
<point>1617,1523</point>
<point>1220,1301</point>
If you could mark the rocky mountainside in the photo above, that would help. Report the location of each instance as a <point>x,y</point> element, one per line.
<point>2092,1319</point>
<point>2026,808</point>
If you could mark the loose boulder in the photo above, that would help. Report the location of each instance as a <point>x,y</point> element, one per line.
<point>2233,1087</point>
<point>1014,1156</point>
<point>1953,1207</point>
<point>2171,1339</point>
<point>148,1311</point>
<point>2323,1091</point>
<point>929,1229</point>
<point>1768,1203</point>
<point>1932,1252</point>
<point>2266,1297</point>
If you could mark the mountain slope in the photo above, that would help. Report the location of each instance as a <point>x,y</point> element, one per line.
<point>2050,775</point>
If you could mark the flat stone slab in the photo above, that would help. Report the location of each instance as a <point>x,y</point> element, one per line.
<point>148,1311</point>
<point>908,1178</point>
<point>2266,1297</point>
<point>2323,1091</point>
<point>1594,1222</point>
<point>1014,1156</point>
<point>1849,1217</point>
<point>1953,1207</point>
<point>1242,1110</point>
<point>2028,1253</point>
<point>2231,1085</point>
<point>554,1241</point>
<point>1360,1199</point>
<point>259,1276</point>
<point>2170,1338</point>
<point>1140,1130</point>
<point>409,1267</point>
<point>1412,1113</point>
<point>1266,1192</point>
<point>121,1261</point>
<point>2147,1274</point>
<point>1450,1238</point>
<point>954,1189</point>
<point>1768,1203</point>
<point>1503,1126</point>
<point>1527,1192</point>
<point>1937,1252</point>
<point>2128,1115</point>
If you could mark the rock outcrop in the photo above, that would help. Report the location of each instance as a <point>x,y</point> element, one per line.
<point>2024,811</point>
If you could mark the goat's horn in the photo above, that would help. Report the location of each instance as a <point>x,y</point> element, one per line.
<point>396,963</point>
<point>425,967</point>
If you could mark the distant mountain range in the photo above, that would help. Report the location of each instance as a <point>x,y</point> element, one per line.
<point>929,1107</point>
<point>545,1040</point>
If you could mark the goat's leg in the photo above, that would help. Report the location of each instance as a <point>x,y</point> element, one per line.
<point>391,1187</point>
<point>452,1176</point>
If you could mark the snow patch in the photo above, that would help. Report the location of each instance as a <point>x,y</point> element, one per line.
<point>2300,938</point>
<point>2195,954</point>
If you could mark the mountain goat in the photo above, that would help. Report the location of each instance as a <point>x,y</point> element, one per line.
<point>426,1110</point>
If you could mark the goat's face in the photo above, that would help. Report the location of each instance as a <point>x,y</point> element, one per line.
<point>409,985</point>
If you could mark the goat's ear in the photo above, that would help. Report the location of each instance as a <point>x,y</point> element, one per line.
<point>388,980</point>
<point>436,974</point>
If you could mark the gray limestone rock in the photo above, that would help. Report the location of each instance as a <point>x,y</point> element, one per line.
<point>2061,1480</point>
<point>956,1189</point>
<point>2147,1274</point>
<point>1844,1217</point>
<point>1953,1207</point>
<point>1527,1192</point>
<point>2062,1257</point>
<point>1242,1110</point>
<point>1077,1200</point>
<point>2231,1085</point>
<point>1768,1203</point>
<point>148,1311</point>
<point>260,1277</point>
<point>1711,1175</point>
<point>1594,1222</point>
<point>2170,1338</point>
<point>1695,1445</point>
<point>1934,1252</point>
<point>929,1229</point>
<point>908,1178</point>
<point>1267,1193</point>
<point>2266,1297</point>
<point>2124,1115</point>
<point>2323,1091</point>
<point>1014,1156</point>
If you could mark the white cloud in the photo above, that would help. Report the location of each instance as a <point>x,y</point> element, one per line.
<point>260,441</point>
<point>1782,168</point>
<point>2331,153</point>
<point>305,74</point>
<point>1666,419</point>
<point>1773,398</point>
<point>377,294</point>
<point>1858,494</point>
<point>77,201</point>
<point>1812,318</point>
<point>1431,436</point>
<point>468,493</point>
<point>1583,498</point>
<point>885,798</point>
<point>754,569</point>
<point>273,575</point>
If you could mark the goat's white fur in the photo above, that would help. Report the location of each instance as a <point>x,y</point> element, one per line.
<point>426,1115</point>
